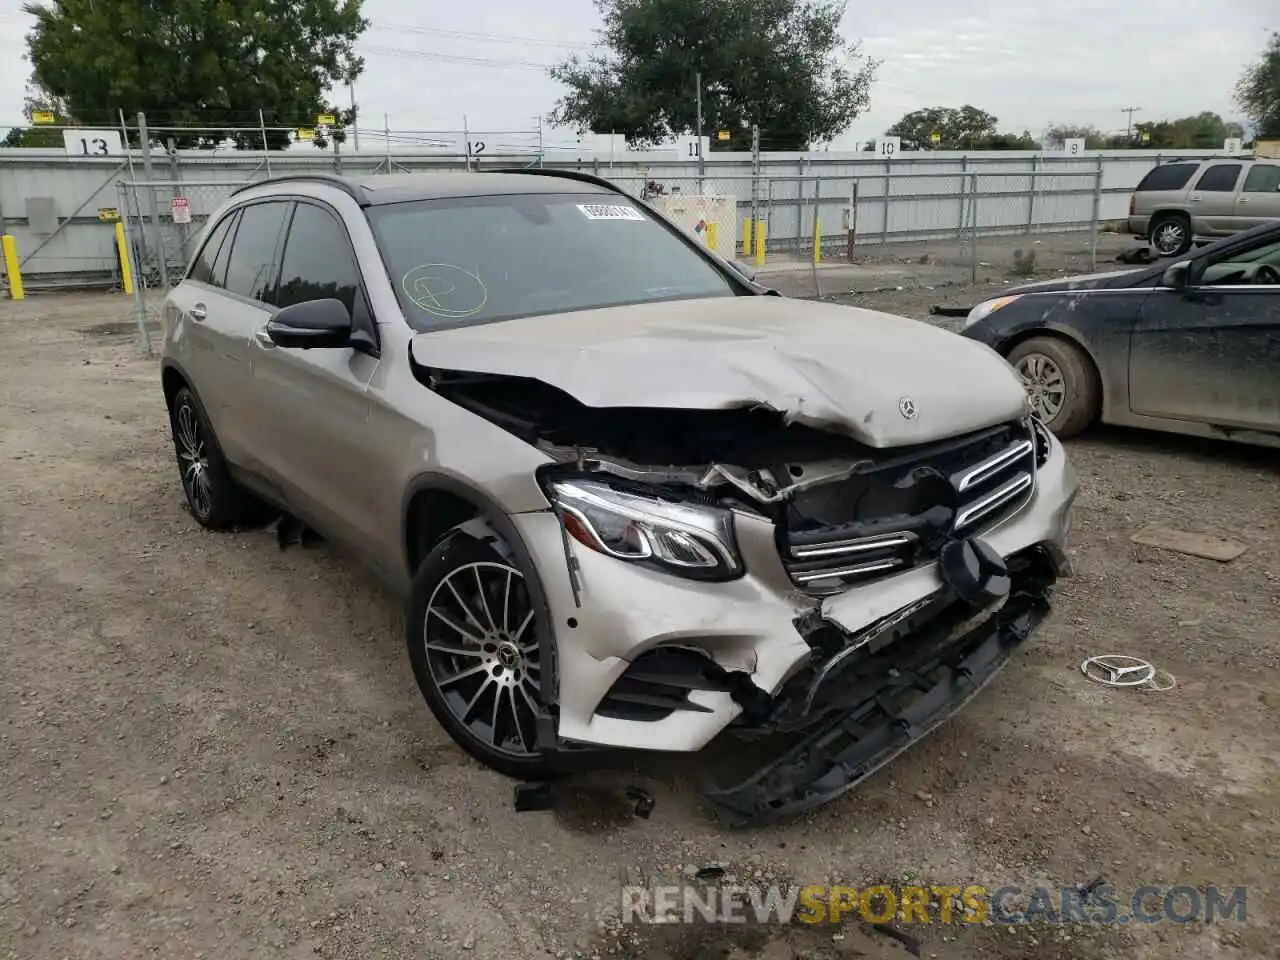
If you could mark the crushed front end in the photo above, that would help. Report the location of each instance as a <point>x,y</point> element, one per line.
<point>830,601</point>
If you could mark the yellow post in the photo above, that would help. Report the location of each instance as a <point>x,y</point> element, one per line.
<point>817,240</point>
<point>122,251</point>
<point>761,228</point>
<point>711,235</point>
<point>746,236</point>
<point>10,248</point>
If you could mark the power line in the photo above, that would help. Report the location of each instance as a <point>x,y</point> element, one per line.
<point>455,58</point>
<point>487,37</point>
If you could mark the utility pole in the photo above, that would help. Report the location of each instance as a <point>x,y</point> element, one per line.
<point>1128,129</point>
<point>355,122</point>
<point>702,169</point>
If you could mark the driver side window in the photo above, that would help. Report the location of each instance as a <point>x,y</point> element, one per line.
<point>1259,266</point>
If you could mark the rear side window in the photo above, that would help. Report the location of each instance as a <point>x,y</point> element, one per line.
<point>1220,178</point>
<point>251,271</point>
<point>1263,178</point>
<point>203,268</point>
<point>318,261</point>
<point>1171,176</point>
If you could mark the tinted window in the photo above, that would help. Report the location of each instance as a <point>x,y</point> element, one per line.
<point>1172,176</point>
<point>478,259</point>
<point>1220,178</point>
<point>203,267</point>
<point>252,268</point>
<point>220,264</point>
<point>1263,178</point>
<point>318,262</point>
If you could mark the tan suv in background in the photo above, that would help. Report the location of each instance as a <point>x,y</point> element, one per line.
<point>1178,203</point>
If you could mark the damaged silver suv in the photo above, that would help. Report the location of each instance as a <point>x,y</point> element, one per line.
<point>636,500</point>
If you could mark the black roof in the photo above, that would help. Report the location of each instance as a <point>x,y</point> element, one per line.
<point>375,189</point>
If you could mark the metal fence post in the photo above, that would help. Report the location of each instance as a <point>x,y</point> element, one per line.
<point>157,241</point>
<point>973,232</point>
<point>1097,215</point>
<point>852,225</point>
<point>884,224</point>
<point>139,303</point>
<point>1031,201</point>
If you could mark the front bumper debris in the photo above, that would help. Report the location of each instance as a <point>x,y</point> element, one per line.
<point>866,709</point>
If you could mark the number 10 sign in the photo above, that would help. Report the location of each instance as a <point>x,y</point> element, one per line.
<point>92,143</point>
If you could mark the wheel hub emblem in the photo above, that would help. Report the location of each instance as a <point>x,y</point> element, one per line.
<point>907,407</point>
<point>508,656</point>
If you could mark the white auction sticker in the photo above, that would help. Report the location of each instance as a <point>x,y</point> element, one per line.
<point>609,211</point>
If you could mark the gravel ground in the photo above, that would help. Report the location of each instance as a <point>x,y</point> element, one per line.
<point>213,748</point>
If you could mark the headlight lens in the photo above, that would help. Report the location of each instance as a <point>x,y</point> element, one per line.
<point>986,309</point>
<point>690,541</point>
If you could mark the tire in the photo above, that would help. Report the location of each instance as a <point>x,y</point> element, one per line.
<point>1061,381</point>
<point>475,660</point>
<point>1170,234</point>
<point>213,497</point>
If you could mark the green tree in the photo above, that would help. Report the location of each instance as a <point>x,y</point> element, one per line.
<point>1093,138</point>
<point>957,129</point>
<point>38,100</point>
<point>1205,131</point>
<point>197,63</point>
<point>779,64</point>
<point>1258,92</point>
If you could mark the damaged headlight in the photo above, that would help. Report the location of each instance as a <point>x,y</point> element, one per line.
<point>986,309</point>
<point>690,541</point>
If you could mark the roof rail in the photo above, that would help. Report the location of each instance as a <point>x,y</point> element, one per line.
<point>329,179</point>
<point>562,174</point>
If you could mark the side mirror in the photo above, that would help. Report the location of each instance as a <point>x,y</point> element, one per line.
<point>1177,274</point>
<point>746,269</point>
<point>314,323</point>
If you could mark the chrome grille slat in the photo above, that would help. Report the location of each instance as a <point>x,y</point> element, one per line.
<point>840,548</point>
<point>987,487</point>
<point>988,469</point>
<point>993,500</point>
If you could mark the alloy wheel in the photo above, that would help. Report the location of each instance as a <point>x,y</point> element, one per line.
<point>1045,385</point>
<point>193,458</point>
<point>482,652</point>
<point>1169,238</point>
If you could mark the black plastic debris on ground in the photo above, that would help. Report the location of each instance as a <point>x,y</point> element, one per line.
<point>938,310</point>
<point>541,796</point>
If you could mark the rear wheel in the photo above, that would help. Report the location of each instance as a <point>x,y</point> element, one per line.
<point>1170,234</point>
<point>214,498</point>
<point>1060,382</point>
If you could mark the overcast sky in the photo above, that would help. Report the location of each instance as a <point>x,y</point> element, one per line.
<point>1076,61</point>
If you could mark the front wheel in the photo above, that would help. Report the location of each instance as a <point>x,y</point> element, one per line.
<point>472,633</point>
<point>1060,382</point>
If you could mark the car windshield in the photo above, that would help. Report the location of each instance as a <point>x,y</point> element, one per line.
<point>480,259</point>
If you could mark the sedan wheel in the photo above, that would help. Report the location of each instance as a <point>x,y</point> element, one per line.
<point>1046,387</point>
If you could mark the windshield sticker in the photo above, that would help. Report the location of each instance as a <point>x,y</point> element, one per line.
<point>610,211</point>
<point>443,290</point>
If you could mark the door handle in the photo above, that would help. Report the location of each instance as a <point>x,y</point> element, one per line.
<point>1244,200</point>
<point>199,312</point>
<point>264,339</point>
<point>1195,198</point>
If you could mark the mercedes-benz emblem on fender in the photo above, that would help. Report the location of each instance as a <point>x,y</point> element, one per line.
<point>907,407</point>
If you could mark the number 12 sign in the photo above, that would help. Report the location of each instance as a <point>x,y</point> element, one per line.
<point>92,143</point>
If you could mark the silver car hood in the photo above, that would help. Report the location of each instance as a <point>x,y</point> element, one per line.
<point>883,380</point>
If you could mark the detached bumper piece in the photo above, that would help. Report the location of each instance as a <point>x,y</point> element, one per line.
<point>894,691</point>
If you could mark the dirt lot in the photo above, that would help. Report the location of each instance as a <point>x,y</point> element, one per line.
<point>213,748</point>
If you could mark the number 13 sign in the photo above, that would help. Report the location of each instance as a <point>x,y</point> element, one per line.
<point>92,143</point>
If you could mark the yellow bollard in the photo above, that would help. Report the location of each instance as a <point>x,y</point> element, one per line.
<point>122,251</point>
<point>746,236</point>
<point>761,229</point>
<point>711,235</point>
<point>10,249</point>
<point>817,240</point>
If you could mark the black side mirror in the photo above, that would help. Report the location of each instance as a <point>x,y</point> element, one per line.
<point>314,323</point>
<point>1177,275</point>
<point>746,269</point>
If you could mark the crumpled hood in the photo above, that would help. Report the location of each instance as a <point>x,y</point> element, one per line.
<point>886,381</point>
<point>1088,281</point>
